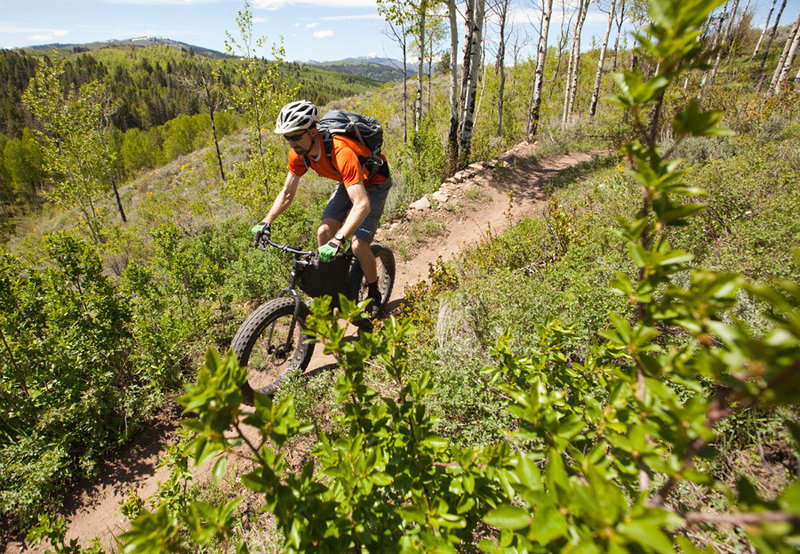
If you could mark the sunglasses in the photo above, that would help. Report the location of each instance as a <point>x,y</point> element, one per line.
<point>294,138</point>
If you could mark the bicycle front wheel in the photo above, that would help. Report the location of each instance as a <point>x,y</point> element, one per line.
<point>270,348</point>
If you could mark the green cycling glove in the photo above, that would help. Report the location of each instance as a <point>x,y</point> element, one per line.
<point>261,231</point>
<point>328,251</point>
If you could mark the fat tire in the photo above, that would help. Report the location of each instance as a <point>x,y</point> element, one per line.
<point>385,282</point>
<point>252,329</point>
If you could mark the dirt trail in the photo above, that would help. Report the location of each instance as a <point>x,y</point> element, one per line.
<point>487,194</point>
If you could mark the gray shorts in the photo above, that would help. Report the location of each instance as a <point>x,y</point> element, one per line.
<point>339,205</point>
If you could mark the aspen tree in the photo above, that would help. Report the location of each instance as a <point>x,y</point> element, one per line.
<point>75,151</point>
<point>452,135</point>
<point>769,44</point>
<point>472,54</point>
<point>764,32</point>
<point>725,44</point>
<point>620,19</point>
<point>787,58</point>
<point>571,90</point>
<point>538,77</point>
<point>714,46</point>
<point>501,9</point>
<point>596,88</point>
<point>400,35</point>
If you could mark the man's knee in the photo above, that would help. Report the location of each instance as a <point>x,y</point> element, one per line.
<point>326,231</point>
<point>361,247</point>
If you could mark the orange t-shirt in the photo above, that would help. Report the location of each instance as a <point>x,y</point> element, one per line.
<point>345,169</point>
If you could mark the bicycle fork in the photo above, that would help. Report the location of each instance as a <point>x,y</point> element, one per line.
<point>288,346</point>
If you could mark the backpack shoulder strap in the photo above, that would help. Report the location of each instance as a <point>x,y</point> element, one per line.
<point>327,146</point>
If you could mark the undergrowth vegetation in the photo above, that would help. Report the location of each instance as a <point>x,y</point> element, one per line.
<point>499,410</point>
<point>515,405</point>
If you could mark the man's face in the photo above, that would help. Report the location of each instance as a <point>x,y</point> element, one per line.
<point>301,141</point>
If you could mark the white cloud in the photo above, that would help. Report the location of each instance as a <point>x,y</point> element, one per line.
<point>275,4</point>
<point>526,16</point>
<point>45,37</point>
<point>308,26</point>
<point>323,34</point>
<point>161,2</point>
<point>260,20</point>
<point>349,17</point>
<point>37,32</point>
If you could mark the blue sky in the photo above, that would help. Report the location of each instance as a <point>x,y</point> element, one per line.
<point>311,29</point>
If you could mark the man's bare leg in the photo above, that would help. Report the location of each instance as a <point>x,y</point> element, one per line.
<point>361,248</point>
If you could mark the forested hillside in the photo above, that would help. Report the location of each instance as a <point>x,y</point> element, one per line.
<point>620,373</point>
<point>159,101</point>
<point>378,72</point>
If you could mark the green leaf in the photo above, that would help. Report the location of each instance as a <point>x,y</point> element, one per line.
<point>790,499</point>
<point>692,122</point>
<point>219,469</point>
<point>508,517</point>
<point>412,515</point>
<point>649,536</point>
<point>548,524</point>
<point>557,477</point>
<point>381,479</point>
<point>528,473</point>
<point>570,428</point>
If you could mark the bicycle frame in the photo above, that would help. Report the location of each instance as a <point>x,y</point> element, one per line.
<point>305,262</point>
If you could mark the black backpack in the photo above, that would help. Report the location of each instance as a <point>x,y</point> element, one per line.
<point>361,128</point>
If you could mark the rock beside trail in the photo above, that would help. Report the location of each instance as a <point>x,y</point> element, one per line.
<point>454,187</point>
<point>440,195</point>
<point>421,204</point>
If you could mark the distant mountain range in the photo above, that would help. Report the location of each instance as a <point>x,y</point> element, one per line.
<point>379,69</point>
<point>141,42</point>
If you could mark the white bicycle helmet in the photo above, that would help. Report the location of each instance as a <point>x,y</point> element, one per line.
<point>296,116</point>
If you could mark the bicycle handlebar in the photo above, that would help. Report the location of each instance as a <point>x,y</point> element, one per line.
<point>286,248</point>
<point>290,249</point>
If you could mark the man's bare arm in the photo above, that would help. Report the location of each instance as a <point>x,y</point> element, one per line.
<point>359,211</point>
<point>284,198</point>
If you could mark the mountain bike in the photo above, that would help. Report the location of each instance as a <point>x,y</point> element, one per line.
<point>271,342</point>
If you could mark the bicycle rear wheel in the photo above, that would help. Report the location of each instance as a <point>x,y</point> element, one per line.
<point>357,284</point>
<point>261,344</point>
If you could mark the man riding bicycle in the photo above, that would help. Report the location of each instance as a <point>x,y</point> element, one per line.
<point>356,204</point>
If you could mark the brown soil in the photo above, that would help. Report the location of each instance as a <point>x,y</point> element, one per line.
<point>485,195</point>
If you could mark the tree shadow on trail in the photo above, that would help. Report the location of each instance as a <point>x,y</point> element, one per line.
<point>124,467</point>
<point>565,177</point>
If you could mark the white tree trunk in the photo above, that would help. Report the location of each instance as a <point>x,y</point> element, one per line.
<point>500,66</point>
<point>420,65</point>
<point>725,44</point>
<point>714,44</point>
<point>398,32</point>
<point>620,21</point>
<point>769,44</point>
<point>572,82</point>
<point>468,108</point>
<point>538,76</point>
<point>787,58</point>
<point>484,68</point>
<point>453,133</point>
<point>764,32</point>
<point>729,26</point>
<point>599,74</point>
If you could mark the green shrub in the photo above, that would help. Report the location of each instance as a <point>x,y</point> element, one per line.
<point>700,149</point>
<point>603,442</point>
<point>68,380</point>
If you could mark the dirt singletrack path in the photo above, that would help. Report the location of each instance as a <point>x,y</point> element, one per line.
<point>485,195</point>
